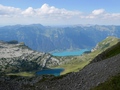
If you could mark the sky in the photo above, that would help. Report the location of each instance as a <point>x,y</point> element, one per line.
<point>60,12</point>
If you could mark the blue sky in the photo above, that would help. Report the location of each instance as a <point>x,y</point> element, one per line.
<point>82,5</point>
<point>60,12</point>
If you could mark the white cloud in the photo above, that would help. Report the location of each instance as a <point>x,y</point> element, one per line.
<point>28,12</point>
<point>9,11</point>
<point>51,11</point>
<point>98,12</point>
<point>51,15</point>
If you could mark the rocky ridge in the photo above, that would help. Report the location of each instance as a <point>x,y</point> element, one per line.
<point>18,57</point>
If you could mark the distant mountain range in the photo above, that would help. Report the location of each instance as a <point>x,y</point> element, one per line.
<point>47,38</point>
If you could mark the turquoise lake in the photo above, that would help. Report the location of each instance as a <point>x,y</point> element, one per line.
<point>55,72</point>
<point>70,53</point>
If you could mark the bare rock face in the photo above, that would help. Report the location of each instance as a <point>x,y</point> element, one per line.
<point>18,57</point>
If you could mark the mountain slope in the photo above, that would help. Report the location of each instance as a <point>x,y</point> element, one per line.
<point>106,43</point>
<point>111,84</point>
<point>17,57</point>
<point>90,76</point>
<point>113,48</point>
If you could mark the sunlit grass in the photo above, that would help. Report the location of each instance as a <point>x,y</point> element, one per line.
<point>73,67</point>
<point>25,74</point>
<point>77,63</point>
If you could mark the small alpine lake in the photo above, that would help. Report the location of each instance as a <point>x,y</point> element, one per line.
<point>70,53</point>
<point>55,72</point>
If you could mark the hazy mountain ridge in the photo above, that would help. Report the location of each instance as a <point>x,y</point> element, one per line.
<point>46,38</point>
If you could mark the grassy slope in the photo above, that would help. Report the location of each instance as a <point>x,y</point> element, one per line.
<point>28,74</point>
<point>112,84</point>
<point>77,63</point>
